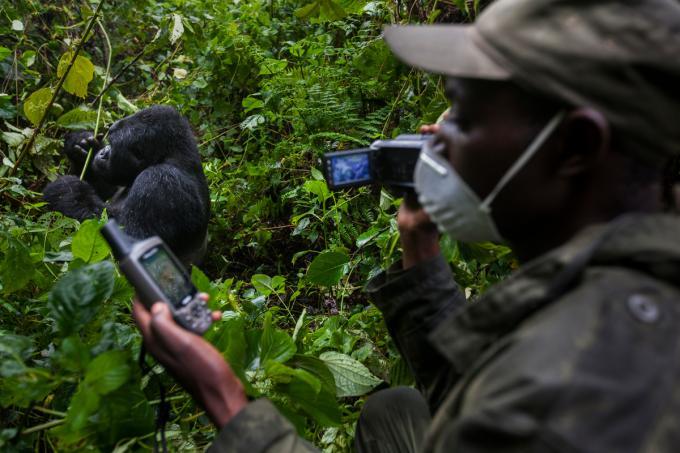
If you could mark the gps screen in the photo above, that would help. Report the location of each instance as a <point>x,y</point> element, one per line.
<point>351,168</point>
<point>167,276</point>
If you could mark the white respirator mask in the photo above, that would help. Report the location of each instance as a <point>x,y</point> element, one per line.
<point>451,204</point>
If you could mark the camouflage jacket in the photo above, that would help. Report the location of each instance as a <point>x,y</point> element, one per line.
<point>578,351</point>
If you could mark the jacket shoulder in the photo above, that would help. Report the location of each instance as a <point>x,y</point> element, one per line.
<point>585,368</point>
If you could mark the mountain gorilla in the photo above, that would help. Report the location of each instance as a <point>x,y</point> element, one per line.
<point>149,178</point>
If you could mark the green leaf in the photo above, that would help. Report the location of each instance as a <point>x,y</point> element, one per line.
<point>317,368</point>
<point>73,354</point>
<point>13,139</point>
<point>229,338</point>
<point>77,297</point>
<point>266,285</point>
<point>251,103</point>
<point>365,238</point>
<point>108,371</point>
<point>275,345</point>
<point>80,75</point>
<point>36,105</point>
<point>78,119</point>
<point>316,174</point>
<point>322,406</point>
<point>311,9</point>
<point>16,269</point>
<point>318,188</point>
<point>88,244</point>
<point>352,378</point>
<point>328,268</point>
<point>202,283</point>
<point>4,53</point>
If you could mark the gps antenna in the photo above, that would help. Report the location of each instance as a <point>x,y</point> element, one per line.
<point>120,243</point>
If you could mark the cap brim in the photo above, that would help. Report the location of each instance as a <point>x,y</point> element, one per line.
<point>451,50</point>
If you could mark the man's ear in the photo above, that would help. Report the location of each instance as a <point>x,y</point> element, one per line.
<point>587,141</point>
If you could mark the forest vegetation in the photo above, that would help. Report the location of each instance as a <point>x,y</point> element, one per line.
<point>268,87</point>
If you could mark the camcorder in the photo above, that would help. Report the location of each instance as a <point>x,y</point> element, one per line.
<point>388,163</point>
<point>157,275</point>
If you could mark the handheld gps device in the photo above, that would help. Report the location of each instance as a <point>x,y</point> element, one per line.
<point>157,275</point>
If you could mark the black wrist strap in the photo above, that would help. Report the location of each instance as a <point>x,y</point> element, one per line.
<point>163,410</point>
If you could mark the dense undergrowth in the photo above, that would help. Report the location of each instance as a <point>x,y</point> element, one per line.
<point>268,86</point>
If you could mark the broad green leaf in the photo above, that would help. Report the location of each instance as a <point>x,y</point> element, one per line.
<point>316,174</point>
<point>251,103</point>
<point>202,283</point>
<point>88,244</point>
<point>317,368</point>
<point>77,297</point>
<point>73,354</point>
<point>275,344</point>
<point>177,29</point>
<point>13,139</point>
<point>108,371</point>
<point>318,188</point>
<point>229,338</point>
<point>36,105</point>
<point>4,53</point>
<point>80,75</point>
<point>365,238</point>
<point>311,9</point>
<point>322,406</point>
<point>327,268</point>
<point>282,374</point>
<point>352,378</point>
<point>78,119</point>
<point>266,285</point>
<point>16,269</point>
<point>28,58</point>
<point>122,414</point>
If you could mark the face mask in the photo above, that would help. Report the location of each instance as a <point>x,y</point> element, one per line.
<point>451,204</point>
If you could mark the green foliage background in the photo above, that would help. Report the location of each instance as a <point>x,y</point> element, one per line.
<point>268,86</point>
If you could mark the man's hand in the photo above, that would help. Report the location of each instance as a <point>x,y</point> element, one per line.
<point>419,236</point>
<point>194,362</point>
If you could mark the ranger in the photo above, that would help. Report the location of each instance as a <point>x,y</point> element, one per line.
<point>564,115</point>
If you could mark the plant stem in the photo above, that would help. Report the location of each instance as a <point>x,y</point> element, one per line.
<point>60,83</point>
<point>101,98</point>
<point>42,426</point>
<point>50,411</point>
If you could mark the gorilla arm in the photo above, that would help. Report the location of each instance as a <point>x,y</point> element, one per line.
<point>73,198</point>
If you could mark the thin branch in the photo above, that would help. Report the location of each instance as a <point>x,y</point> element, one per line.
<point>120,73</point>
<point>101,98</point>
<point>60,83</point>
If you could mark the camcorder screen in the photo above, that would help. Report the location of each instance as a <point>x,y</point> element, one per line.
<point>167,275</point>
<point>351,168</point>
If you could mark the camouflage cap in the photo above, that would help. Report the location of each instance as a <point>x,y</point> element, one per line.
<point>621,57</point>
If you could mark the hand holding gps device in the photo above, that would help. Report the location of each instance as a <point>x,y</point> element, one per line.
<point>158,275</point>
<point>389,163</point>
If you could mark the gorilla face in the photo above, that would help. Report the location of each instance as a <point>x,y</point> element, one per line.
<point>137,142</point>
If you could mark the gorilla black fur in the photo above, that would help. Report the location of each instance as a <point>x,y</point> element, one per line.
<point>149,178</point>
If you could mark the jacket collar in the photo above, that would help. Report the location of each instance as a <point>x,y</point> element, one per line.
<point>647,242</point>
